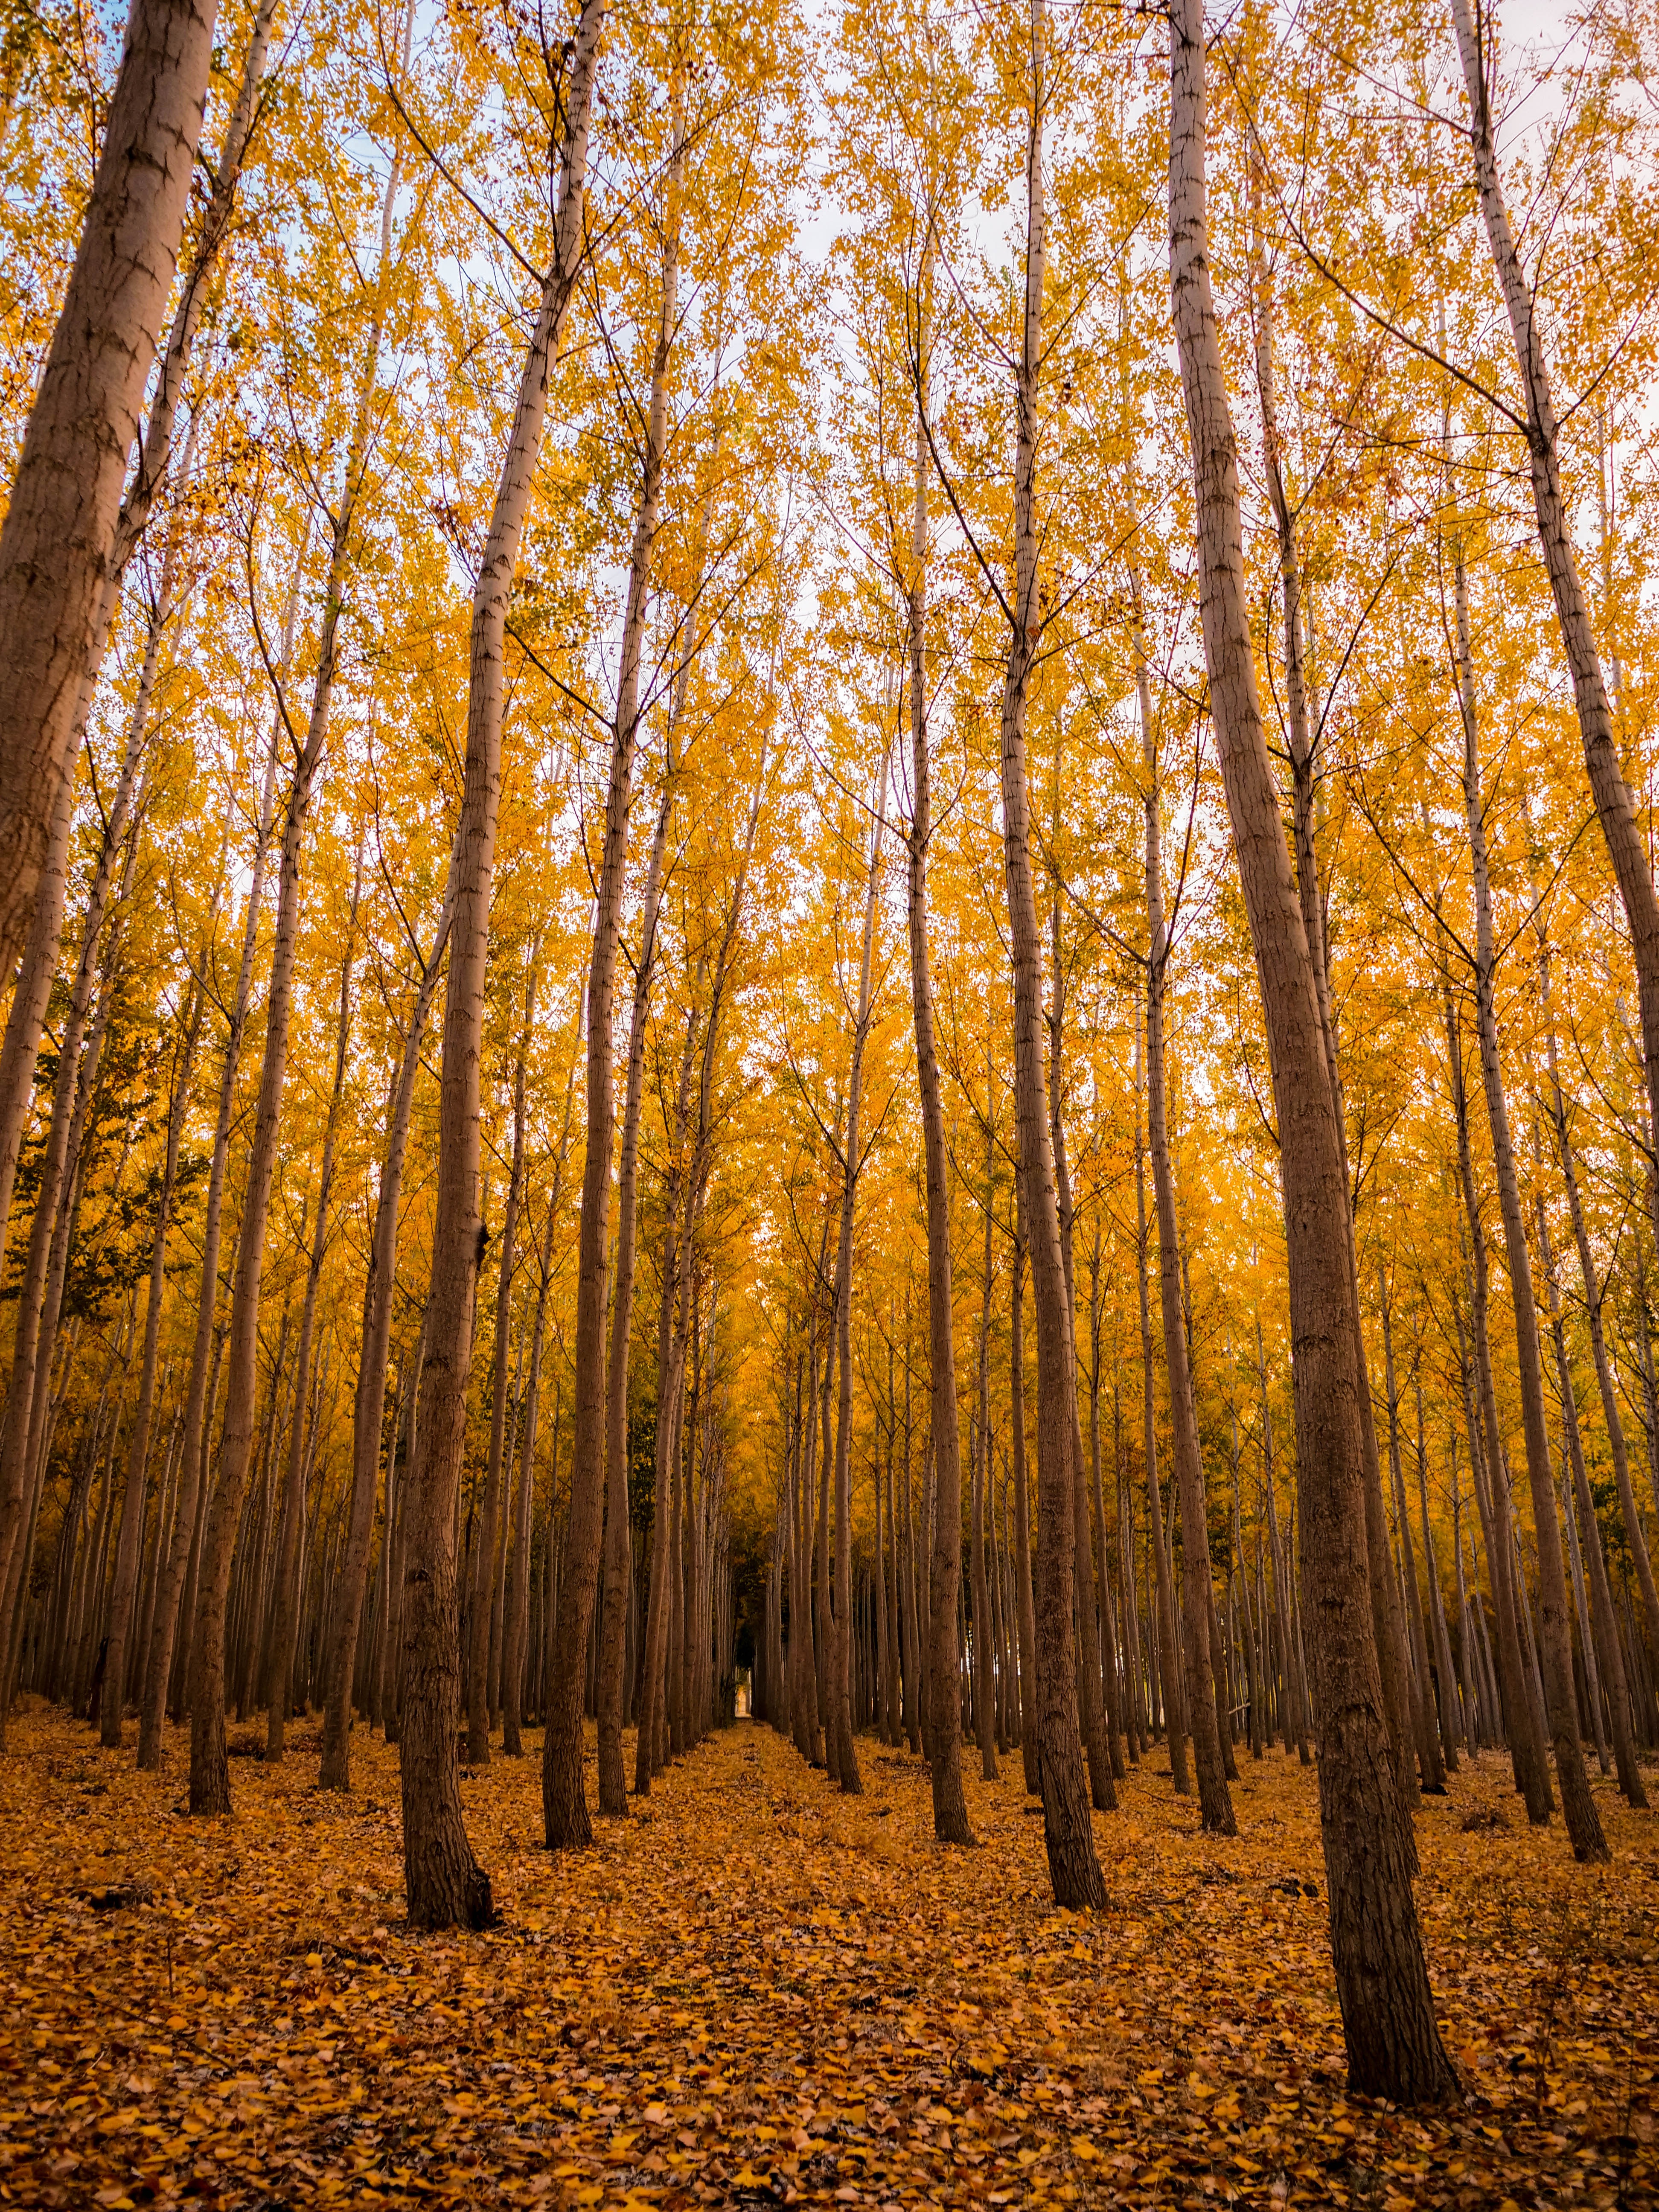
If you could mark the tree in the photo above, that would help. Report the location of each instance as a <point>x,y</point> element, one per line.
<point>446,1884</point>
<point>1394,2044</point>
<point>66,495</point>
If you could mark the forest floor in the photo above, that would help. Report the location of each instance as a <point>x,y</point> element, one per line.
<point>754,1990</point>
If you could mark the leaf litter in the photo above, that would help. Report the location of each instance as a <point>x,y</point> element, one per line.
<point>756,1992</point>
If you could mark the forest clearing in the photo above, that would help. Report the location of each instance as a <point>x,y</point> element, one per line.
<point>758,1992</point>
<point>829,1102</point>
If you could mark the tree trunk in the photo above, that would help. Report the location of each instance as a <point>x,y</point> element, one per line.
<point>1428,1739</point>
<point>1626,847</point>
<point>823,1620</point>
<point>26,1014</point>
<point>516,1627</point>
<point>613,1779</point>
<point>66,495</point>
<point>369,1406</point>
<point>1491,1487</point>
<point>1167,1644</point>
<point>910,1609</point>
<point>1112,1677</point>
<point>981,1658</point>
<point>1296,1686</point>
<point>1579,1808</point>
<point>490,1542</point>
<point>1394,2044</point>
<point>843,1759</point>
<point>1074,1866</point>
<point>676,1200</point>
<point>1452,1723</point>
<point>1388,1621</point>
<point>563,1801</point>
<point>1090,1700</point>
<point>943,1730</point>
<point>133,1498</point>
<point>1025,1603</point>
<point>1603,1624</point>
<point>1634,1534</point>
<point>1214,1799</point>
<point>888,1570</point>
<point>446,1884</point>
<point>288,1594</point>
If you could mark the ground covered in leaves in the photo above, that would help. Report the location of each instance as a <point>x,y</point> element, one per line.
<point>754,1990</point>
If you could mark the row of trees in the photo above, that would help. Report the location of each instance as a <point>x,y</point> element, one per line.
<point>509,841</point>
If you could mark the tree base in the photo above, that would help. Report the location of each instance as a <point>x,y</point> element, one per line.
<point>467,1902</point>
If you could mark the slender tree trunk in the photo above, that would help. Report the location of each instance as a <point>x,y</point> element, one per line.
<point>684,1465</point>
<point>797,1676</point>
<point>446,1884</point>
<point>911,1610</point>
<point>1112,1676</point>
<point>888,1572</point>
<point>133,1509</point>
<point>613,1780</point>
<point>1634,1534</point>
<point>1091,1700</point>
<point>1394,2044</point>
<point>166,1511</point>
<point>289,1559</point>
<point>843,1757</point>
<point>1475,1679</point>
<point>675,1229</point>
<point>1135,1706</point>
<point>944,1544</point>
<point>1074,1866</point>
<point>1491,1487</point>
<point>1214,1799</point>
<point>1603,1622</point>
<point>516,1628</point>
<point>563,1796</point>
<point>1167,1638</point>
<point>1387,1619</point>
<point>1252,1647</point>
<point>982,1662</point>
<point>491,1534</point>
<point>1284,1569</point>
<point>1452,1723</point>
<point>1587,1676</point>
<point>823,1621</point>
<point>1428,1739</point>
<point>1025,1603</point>
<point>1626,845</point>
<point>1579,1808</point>
<point>369,1407</point>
